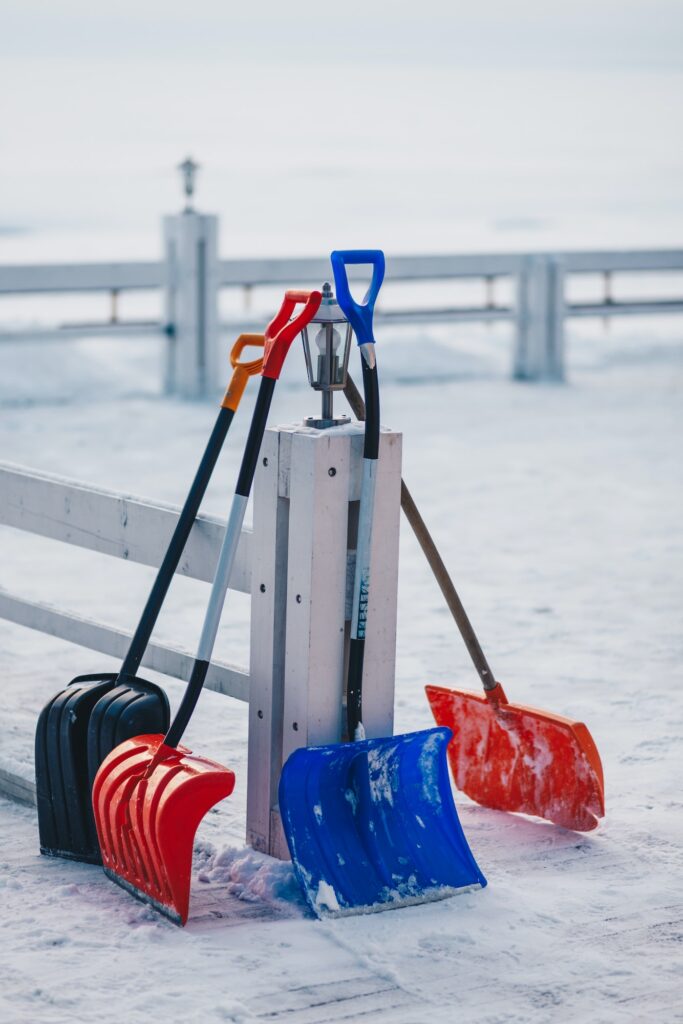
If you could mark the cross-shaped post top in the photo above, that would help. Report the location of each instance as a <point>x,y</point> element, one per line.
<point>188,169</point>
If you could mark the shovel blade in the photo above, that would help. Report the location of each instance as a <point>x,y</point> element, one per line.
<point>148,801</point>
<point>372,825</point>
<point>516,758</point>
<point>133,708</point>
<point>65,823</point>
<point>75,731</point>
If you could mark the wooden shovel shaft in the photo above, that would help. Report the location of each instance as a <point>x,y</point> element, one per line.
<point>436,564</point>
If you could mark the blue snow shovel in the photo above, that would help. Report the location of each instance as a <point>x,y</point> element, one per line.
<point>371,823</point>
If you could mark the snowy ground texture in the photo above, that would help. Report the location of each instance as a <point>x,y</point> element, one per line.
<point>559,511</point>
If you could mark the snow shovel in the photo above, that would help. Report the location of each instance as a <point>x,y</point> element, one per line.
<point>94,713</point>
<point>507,756</point>
<point>150,793</point>
<point>371,823</point>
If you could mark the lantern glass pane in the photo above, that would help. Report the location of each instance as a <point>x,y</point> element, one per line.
<point>326,350</point>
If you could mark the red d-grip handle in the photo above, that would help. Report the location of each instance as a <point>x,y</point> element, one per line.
<point>282,330</point>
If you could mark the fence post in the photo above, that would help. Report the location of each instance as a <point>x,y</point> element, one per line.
<point>539,347</point>
<point>305,515</point>
<point>193,358</point>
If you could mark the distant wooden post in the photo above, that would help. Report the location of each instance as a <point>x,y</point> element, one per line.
<point>539,345</point>
<point>195,365</point>
<point>305,512</point>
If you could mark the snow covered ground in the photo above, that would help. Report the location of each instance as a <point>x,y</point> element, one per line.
<point>558,510</point>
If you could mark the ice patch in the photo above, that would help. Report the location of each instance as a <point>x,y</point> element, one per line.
<point>318,811</point>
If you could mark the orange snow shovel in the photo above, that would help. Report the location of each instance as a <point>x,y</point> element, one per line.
<point>150,793</point>
<point>507,756</point>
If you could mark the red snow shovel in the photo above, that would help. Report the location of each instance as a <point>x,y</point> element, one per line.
<point>151,793</point>
<point>507,756</point>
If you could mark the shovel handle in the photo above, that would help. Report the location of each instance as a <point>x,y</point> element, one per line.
<point>242,371</point>
<point>282,330</point>
<point>278,337</point>
<point>359,314</point>
<point>437,566</point>
<point>150,614</point>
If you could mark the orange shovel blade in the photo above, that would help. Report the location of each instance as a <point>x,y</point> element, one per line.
<point>515,758</point>
<point>148,801</point>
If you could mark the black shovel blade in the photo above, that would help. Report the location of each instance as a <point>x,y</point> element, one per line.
<point>63,786</point>
<point>65,821</point>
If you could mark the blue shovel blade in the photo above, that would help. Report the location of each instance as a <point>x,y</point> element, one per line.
<point>372,825</point>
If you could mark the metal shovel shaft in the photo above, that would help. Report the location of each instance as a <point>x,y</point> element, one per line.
<point>226,560</point>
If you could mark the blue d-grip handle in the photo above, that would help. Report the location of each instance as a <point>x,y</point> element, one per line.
<point>359,314</point>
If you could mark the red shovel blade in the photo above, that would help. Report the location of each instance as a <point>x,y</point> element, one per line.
<point>148,800</point>
<point>514,758</point>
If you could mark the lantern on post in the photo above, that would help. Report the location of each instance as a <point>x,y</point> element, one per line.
<point>327,357</point>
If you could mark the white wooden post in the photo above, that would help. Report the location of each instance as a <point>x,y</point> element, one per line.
<point>193,362</point>
<point>539,349</point>
<point>305,512</point>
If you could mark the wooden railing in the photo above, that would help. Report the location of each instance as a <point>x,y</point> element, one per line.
<point>123,527</point>
<point>192,275</point>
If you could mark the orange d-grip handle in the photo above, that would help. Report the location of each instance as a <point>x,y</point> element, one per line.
<point>242,371</point>
<point>282,330</point>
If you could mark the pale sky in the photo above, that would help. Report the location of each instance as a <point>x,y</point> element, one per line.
<point>435,122</point>
<point>512,33</point>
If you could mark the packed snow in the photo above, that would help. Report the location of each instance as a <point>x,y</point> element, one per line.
<point>558,511</point>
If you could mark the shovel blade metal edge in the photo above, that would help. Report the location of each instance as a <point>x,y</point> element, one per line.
<point>517,758</point>
<point>146,820</point>
<point>372,825</point>
<point>76,729</point>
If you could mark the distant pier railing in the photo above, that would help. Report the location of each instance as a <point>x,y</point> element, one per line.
<point>191,276</point>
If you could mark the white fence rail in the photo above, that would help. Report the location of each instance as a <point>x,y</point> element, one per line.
<point>81,277</point>
<point>250,273</point>
<point>123,527</point>
<point>192,274</point>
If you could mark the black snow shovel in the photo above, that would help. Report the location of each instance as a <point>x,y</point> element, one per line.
<point>94,713</point>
